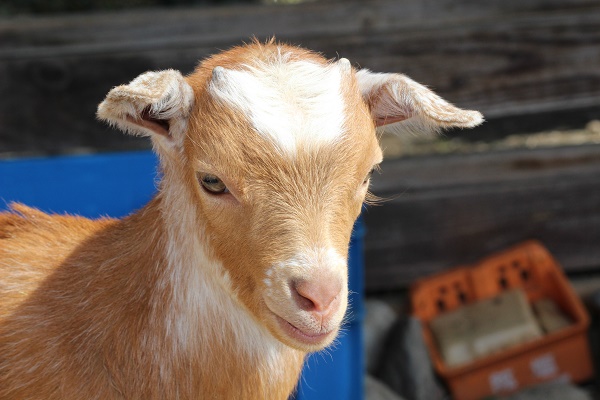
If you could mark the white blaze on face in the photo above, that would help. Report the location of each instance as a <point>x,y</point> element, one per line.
<point>309,263</point>
<point>287,102</point>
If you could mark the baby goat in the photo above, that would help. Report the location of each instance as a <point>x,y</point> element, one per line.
<point>222,283</point>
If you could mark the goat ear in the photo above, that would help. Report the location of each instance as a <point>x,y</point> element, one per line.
<point>395,97</point>
<point>155,104</point>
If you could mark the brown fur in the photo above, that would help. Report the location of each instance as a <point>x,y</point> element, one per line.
<point>169,303</point>
<point>84,315</point>
<point>53,325</point>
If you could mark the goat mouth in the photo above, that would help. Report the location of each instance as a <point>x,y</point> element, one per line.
<point>300,335</point>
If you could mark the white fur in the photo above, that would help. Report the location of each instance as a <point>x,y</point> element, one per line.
<point>318,263</point>
<point>287,102</point>
<point>202,288</point>
<point>202,291</point>
<point>309,262</point>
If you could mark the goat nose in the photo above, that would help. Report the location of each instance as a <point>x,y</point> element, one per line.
<point>316,296</point>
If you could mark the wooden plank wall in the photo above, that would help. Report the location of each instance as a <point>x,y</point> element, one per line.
<point>447,210</point>
<point>504,57</point>
<point>507,58</point>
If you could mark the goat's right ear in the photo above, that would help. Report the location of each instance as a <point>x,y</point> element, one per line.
<point>155,104</point>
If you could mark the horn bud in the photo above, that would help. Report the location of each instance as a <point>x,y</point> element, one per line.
<point>344,64</point>
<point>218,74</point>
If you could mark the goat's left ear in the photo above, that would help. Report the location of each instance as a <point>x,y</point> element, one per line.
<point>155,104</point>
<point>395,97</point>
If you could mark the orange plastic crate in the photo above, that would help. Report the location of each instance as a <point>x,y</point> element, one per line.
<point>564,354</point>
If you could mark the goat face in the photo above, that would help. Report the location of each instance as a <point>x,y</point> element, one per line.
<point>283,150</point>
<point>276,146</point>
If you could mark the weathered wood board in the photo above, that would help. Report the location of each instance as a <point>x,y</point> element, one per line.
<point>504,57</point>
<point>448,210</point>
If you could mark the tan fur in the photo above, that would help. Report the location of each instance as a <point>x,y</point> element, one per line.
<point>172,302</point>
<point>89,326</point>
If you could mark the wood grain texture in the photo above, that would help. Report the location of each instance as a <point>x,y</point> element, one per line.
<point>501,57</point>
<point>448,210</point>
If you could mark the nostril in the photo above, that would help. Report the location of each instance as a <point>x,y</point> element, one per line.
<point>303,302</point>
<point>310,296</point>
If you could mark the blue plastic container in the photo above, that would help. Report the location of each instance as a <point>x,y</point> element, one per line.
<point>92,186</point>
<point>117,184</point>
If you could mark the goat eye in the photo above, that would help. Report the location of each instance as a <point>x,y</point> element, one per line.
<point>212,183</point>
